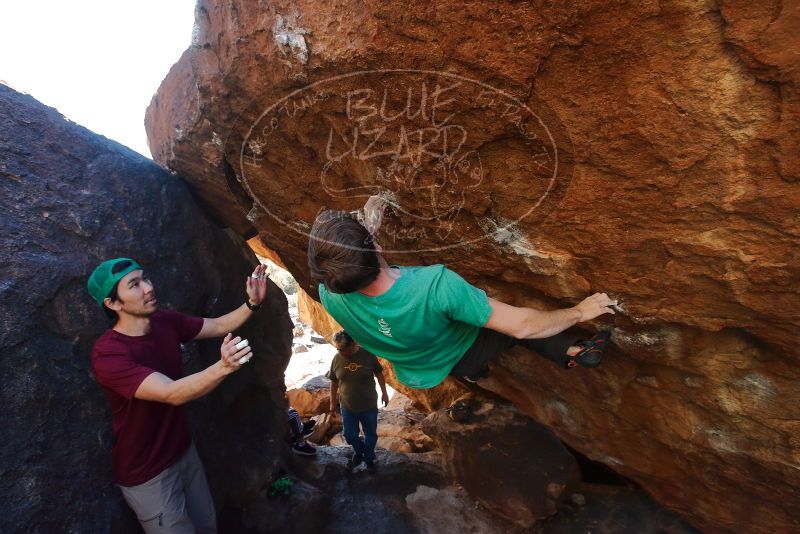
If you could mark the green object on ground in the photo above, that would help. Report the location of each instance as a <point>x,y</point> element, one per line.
<point>281,486</point>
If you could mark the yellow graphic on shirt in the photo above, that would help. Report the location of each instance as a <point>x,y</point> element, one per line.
<point>353,366</point>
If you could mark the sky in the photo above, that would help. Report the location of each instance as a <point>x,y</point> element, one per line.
<point>97,62</point>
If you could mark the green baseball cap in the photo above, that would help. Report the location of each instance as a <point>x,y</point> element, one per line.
<point>106,276</point>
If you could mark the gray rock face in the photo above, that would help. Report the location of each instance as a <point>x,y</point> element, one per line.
<point>68,200</point>
<point>446,510</point>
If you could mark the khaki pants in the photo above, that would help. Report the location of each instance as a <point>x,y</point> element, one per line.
<point>177,500</point>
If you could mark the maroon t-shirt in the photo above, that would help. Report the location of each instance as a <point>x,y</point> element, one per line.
<point>149,436</point>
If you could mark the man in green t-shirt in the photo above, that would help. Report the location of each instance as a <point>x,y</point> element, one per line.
<point>353,372</point>
<point>428,321</point>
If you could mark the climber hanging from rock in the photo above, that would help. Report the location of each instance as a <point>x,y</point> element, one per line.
<point>428,321</point>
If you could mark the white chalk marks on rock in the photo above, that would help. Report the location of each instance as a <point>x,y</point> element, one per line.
<point>428,142</point>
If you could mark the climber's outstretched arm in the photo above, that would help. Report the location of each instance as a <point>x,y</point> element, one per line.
<point>528,323</point>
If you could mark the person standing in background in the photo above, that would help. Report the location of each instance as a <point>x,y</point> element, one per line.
<point>352,374</point>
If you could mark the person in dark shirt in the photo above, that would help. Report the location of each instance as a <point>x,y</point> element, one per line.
<point>352,374</point>
<point>138,365</point>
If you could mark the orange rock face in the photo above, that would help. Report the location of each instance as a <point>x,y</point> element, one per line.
<point>648,150</point>
<point>311,312</point>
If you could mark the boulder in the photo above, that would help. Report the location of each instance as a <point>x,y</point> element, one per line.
<point>607,509</point>
<point>263,252</point>
<point>312,313</point>
<point>449,510</point>
<point>70,199</point>
<point>282,278</point>
<point>513,466</point>
<point>328,427</point>
<point>649,150</point>
<point>400,431</point>
<point>302,511</point>
<point>404,403</point>
<point>312,398</point>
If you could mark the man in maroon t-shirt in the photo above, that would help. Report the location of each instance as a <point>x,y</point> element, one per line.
<point>138,365</point>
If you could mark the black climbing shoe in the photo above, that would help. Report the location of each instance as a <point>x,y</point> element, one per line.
<point>459,411</point>
<point>371,466</point>
<point>591,353</point>
<point>308,427</point>
<point>354,461</point>
<point>304,449</point>
<point>483,372</point>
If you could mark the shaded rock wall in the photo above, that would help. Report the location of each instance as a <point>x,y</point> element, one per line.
<point>68,200</point>
<point>657,143</point>
<point>511,465</point>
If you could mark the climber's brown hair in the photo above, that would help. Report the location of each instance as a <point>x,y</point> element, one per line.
<point>341,253</point>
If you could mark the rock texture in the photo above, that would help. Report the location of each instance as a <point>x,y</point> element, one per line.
<point>399,430</point>
<point>513,466</point>
<point>431,399</point>
<point>328,426</point>
<point>311,312</point>
<point>604,509</point>
<point>447,510</point>
<point>312,398</point>
<point>675,129</point>
<point>68,200</point>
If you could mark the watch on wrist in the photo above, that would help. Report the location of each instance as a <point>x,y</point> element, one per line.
<point>253,307</point>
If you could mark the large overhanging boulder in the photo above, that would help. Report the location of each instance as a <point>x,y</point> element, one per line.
<point>70,199</point>
<point>548,151</point>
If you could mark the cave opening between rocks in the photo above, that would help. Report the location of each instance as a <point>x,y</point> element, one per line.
<point>595,472</point>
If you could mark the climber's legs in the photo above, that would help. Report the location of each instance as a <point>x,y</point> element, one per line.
<point>490,343</point>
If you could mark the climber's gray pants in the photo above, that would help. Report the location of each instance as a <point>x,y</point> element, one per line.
<point>176,500</point>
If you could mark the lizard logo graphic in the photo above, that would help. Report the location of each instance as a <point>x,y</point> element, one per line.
<point>385,329</point>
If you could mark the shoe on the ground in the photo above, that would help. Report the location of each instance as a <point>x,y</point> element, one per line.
<point>591,353</point>
<point>355,460</point>
<point>304,449</point>
<point>308,427</point>
<point>371,465</point>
